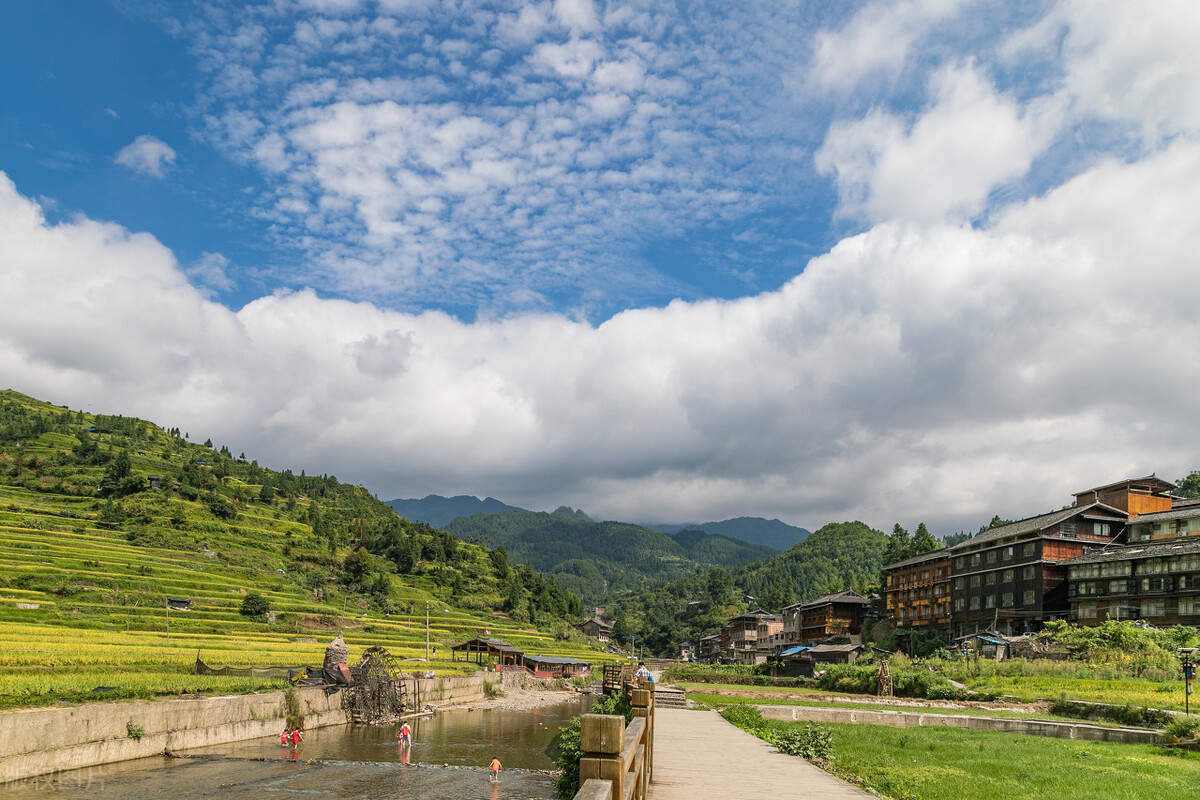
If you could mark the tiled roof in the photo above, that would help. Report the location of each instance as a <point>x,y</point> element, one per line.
<point>932,555</point>
<point>844,596</point>
<point>1186,512</point>
<point>1151,478</point>
<point>1128,552</point>
<point>553,660</point>
<point>1032,524</point>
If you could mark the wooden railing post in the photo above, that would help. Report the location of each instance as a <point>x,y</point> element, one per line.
<point>643,706</point>
<point>601,740</point>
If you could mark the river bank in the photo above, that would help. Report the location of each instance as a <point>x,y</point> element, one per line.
<point>47,740</point>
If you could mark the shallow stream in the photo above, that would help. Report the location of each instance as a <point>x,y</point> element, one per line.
<point>447,761</point>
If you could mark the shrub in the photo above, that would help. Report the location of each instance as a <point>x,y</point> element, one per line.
<point>134,731</point>
<point>811,741</point>
<point>1182,729</point>
<point>567,782</point>
<point>255,605</point>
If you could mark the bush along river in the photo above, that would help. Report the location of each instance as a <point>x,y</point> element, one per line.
<point>448,760</point>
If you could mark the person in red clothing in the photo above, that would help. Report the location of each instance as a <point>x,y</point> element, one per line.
<point>297,737</point>
<point>404,735</point>
<point>284,737</point>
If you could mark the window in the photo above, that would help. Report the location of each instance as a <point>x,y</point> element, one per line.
<point>991,601</point>
<point>1158,584</point>
<point>991,579</point>
<point>991,556</point>
<point>1087,610</point>
<point>1101,529</point>
<point>1189,606</point>
<point>1008,552</point>
<point>1067,529</point>
<point>975,559</point>
<point>975,581</point>
<point>1028,597</point>
<point>1029,548</point>
<point>975,603</point>
<point>1114,569</point>
<point>1118,587</point>
<point>958,583</point>
<point>1154,608</point>
<point>1008,576</point>
<point>925,575</point>
<point>1027,573</point>
<point>1006,599</point>
<point>959,562</point>
<point>958,604</point>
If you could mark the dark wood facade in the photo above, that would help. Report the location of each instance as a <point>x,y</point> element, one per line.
<point>838,614</point>
<point>1012,578</point>
<point>1155,577</point>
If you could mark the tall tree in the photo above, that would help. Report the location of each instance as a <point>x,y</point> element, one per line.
<point>923,541</point>
<point>899,546</point>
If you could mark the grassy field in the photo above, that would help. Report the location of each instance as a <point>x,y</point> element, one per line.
<point>1124,691</point>
<point>950,764</point>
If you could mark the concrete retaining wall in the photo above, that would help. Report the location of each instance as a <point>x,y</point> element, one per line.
<point>41,740</point>
<point>910,719</point>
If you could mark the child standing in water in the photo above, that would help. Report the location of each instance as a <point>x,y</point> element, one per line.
<point>494,770</point>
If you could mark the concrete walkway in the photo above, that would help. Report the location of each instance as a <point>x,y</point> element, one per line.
<point>698,754</point>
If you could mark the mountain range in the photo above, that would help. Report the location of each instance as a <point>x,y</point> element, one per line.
<point>440,511</point>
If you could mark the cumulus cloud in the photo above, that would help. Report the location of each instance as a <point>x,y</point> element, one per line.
<point>969,141</point>
<point>992,370</point>
<point>147,155</point>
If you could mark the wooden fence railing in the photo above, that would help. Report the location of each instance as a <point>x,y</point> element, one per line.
<point>618,760</point>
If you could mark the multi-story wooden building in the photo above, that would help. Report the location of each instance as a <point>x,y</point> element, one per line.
<point>837,614</point>
<point>1011,578</point>
<point>1155,577</point>
<point>917,591</point>
<point>740,635</point>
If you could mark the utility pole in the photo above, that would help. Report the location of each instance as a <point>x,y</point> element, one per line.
<point>426,631</point>
<point>167,612</point>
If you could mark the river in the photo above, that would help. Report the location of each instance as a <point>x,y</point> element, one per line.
<point>448,761</point>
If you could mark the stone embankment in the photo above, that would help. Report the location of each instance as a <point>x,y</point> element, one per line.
<point>911,719</point>
<point>38,741</point>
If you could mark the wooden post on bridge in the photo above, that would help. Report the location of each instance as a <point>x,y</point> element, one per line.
<point>601,740</point>
<point>642,701</point>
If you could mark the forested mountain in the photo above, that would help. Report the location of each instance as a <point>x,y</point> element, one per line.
<point>771,533</point>
<point>838,556</point>
<point>591,558</point>
<point>308,535</point>
<point>440,511</point>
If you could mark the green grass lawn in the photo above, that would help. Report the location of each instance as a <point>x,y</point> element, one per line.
<point>773,698</point>
<point>950,764</point>
<point>1122,691</point>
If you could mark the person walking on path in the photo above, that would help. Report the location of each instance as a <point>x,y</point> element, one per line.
<point>642,674</point>
<point>494,770</point>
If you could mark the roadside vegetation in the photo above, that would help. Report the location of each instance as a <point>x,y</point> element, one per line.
<point>105,520</point>
<point>934,763</point>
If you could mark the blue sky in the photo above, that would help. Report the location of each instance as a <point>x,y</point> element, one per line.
<point>661,261</point>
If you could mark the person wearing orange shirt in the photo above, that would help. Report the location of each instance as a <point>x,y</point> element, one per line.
<point>494,770</point>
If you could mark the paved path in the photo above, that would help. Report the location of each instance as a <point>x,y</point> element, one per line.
<point>698,754</point>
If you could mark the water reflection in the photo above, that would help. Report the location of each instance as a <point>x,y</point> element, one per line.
<point>448,760</point>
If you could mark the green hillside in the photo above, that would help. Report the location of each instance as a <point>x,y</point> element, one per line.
<point>840,555</point>
<point>90,554</point>
<point>594,558</point>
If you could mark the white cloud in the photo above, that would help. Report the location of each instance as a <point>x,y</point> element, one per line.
<point>147,155</point>
<point>969,141</point>
<point>212,270</point>
<point>878,38</point>
<point>912,373</point>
